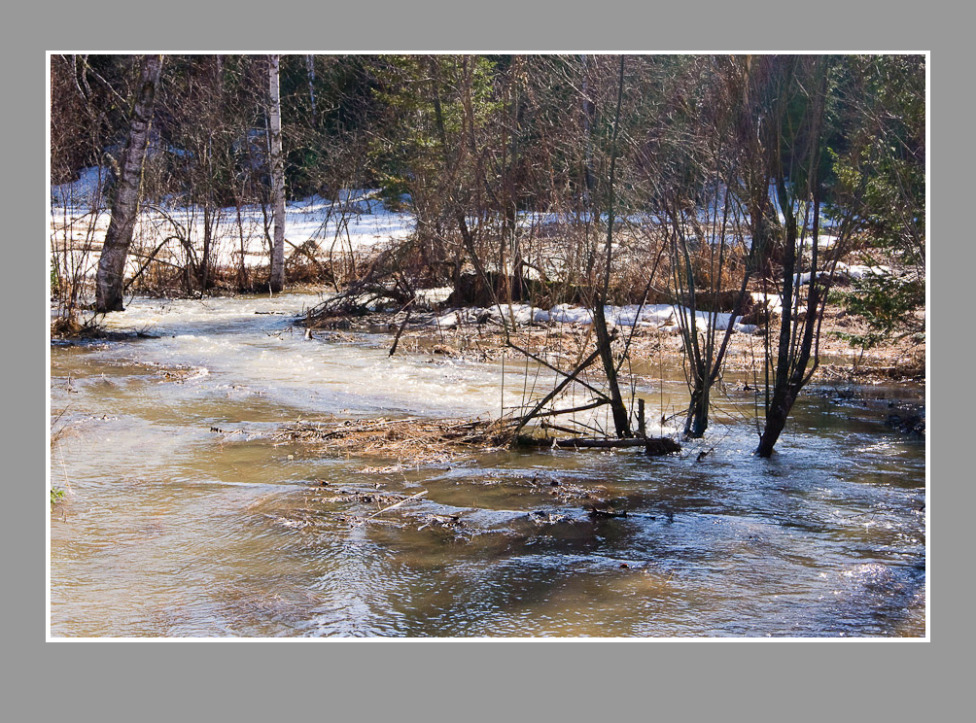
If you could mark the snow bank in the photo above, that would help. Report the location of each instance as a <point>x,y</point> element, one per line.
<point>656,316</point>
<point>852,271</point>
<point>860,271</point>
<point>356,220</point>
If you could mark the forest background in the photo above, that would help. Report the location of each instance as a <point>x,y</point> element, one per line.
<point>756,189</point>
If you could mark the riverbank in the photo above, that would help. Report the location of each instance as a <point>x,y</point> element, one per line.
<point>488,334</point>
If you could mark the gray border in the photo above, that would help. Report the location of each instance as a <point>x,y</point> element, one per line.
<point>763,680</point>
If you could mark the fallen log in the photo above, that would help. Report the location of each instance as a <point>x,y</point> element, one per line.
<point>653,446</point>
<point>589,442</point>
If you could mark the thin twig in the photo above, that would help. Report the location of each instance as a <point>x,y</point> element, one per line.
<point>401,502</point>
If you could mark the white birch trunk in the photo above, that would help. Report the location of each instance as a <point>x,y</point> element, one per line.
<point>277,280</point>
<point>111,263</point>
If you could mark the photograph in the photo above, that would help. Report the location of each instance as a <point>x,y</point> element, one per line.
<point>488,346</point>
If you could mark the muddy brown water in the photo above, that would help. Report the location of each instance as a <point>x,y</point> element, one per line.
<point>184,518</point>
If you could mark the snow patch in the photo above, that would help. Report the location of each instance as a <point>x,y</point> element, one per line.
<point>86,192</point>
<point>664,317</point>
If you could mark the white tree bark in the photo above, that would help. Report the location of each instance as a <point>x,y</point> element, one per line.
<point>277,161</point>
<point>111,263</point>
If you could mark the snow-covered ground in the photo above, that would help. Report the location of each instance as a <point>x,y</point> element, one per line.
<point>658,316</point>
<point>849,271</point>
<point>356,221</point>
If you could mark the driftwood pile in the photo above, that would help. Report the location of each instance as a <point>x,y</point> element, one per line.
<point>413,440</point>
<point>427,441</point>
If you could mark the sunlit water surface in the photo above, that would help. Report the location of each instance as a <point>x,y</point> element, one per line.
<point>183,516</point>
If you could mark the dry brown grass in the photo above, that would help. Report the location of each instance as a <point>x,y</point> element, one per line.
<point>407,441</point>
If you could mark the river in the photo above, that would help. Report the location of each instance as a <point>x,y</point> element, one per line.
<point>184,517</point>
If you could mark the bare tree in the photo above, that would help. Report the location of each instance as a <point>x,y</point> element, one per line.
<point>699,202</point>
<point>803,83</point>
<point>621,419</point>
<point>596,156</point>
<point>77,138</point>
<point>111,263</point>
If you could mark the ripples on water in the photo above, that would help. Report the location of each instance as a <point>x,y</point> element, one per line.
<point>184,519</point>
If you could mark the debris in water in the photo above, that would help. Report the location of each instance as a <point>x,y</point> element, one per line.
<point>411,440</point>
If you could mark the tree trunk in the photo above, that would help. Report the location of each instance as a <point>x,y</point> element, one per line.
<point>452,165</point>
<point>310,70</point>
<point>799,329</point>
<point>621,419</point>
<point>776,416</point>
<point>111,264</point>
<point>276,157</point>
<point>697,420</point>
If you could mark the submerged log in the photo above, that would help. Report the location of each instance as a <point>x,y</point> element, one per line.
<point>653,446</point>
<point>587,442</point>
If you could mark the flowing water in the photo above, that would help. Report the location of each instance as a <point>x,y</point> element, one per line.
<point>183,517</point>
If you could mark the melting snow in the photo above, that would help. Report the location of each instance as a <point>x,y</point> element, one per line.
<point>657,316</point>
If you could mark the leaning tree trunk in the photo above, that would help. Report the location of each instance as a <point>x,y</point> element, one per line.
<point>111,264</point>
<point>277,280</point>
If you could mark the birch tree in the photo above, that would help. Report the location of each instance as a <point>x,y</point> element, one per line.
<point>118,238</point>
<point>277,162</point>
